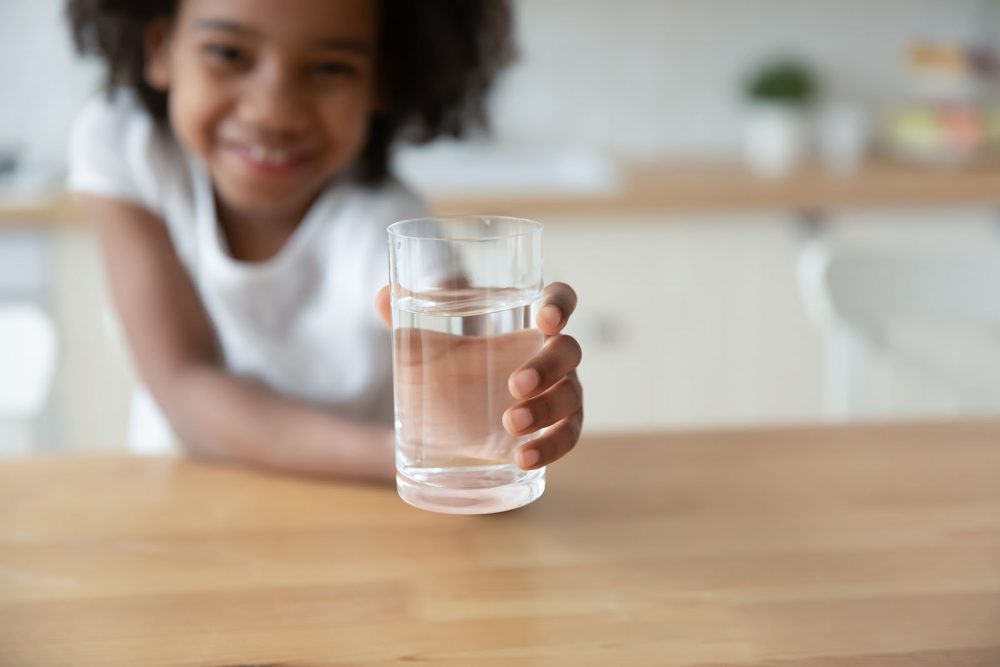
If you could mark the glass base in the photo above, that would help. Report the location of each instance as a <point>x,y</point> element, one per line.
<point>468,492</point>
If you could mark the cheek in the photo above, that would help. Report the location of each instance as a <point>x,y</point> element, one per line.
<point>348,122</point>
<point>195,110</point>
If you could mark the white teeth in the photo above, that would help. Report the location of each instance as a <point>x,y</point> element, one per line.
<point>269,156</point>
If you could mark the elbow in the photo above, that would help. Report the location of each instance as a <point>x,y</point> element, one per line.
<point>180,395</point>
<point>197,449</point>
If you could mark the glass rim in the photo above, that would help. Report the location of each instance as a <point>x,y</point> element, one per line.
<point>533,228</point>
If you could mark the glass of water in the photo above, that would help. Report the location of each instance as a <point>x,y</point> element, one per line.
<point>464,295</point>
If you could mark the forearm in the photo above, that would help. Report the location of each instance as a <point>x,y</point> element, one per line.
<point>176,350</point>
<point>221,416</point>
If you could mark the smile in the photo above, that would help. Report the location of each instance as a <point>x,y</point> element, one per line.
<point>275,157</point>
<point>269,159</point>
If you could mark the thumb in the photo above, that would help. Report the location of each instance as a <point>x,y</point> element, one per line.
<point>382,306</point>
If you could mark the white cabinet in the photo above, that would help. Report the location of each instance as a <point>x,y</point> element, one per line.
<point>688,321</point>
<point>698,321</point>
<point>610,265</point>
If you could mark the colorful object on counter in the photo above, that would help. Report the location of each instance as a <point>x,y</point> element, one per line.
<point>949,117</point>
<point>941,133</point>
<point>941,72</point>
<point>939,59</point>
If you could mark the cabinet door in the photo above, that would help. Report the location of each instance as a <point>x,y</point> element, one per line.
<point>736,346</point>
<point>612,265</point>
<point>688,321</point>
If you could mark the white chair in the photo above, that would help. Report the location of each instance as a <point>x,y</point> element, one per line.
<point>855,295</point>
<point>28,349</point>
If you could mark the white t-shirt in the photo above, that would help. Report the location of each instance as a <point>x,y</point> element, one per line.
<point>301,322</point>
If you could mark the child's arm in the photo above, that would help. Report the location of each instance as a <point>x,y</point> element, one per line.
<point>216,414</point>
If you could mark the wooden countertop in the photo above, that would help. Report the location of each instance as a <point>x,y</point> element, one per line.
<point>819,547</point>
<point>679,188</point>
<point>41,210</point>
<point>692,188</point>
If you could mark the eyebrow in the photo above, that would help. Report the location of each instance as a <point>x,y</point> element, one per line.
<point>339,43</point>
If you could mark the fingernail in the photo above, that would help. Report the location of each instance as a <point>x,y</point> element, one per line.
<point>551,316</point>
<point>525,381</point>
<point>520,419</point>
<point>529,457</point>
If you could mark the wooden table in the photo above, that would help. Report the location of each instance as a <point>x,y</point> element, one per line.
<point>821,547</point>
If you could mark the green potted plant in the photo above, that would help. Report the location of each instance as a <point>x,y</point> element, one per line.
<point>779,96</point>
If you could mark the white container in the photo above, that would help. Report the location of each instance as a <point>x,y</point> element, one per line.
<point>775,138</point>
<point>843,131</point>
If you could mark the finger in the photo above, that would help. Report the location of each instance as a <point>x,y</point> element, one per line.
<point>559,356</point>
<point>382,306</point>
<point>555,444</point>
<point>559,402</point>
<point>558,303</point>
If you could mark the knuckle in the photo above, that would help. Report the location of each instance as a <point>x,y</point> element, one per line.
<point>549,365</point>
<point>569,396</point>
<point>568,438</point>
<point>551,452</point>
<point>542,412</point>
<point>572,347</point>
<point>545,412</point>
<point>544,449</point>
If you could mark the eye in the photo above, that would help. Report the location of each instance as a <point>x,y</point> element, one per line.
<point>225,54</point>
<point>334,68</point>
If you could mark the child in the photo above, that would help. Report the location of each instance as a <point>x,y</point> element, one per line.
<point>238,176</point>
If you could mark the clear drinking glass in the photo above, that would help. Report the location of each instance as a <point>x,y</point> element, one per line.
<point>464,295</point>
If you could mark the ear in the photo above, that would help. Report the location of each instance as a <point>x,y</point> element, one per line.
<point>156,43</point>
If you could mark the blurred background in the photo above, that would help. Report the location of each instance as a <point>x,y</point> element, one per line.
<point>774,211</point>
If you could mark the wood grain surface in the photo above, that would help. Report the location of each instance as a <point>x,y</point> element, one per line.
<point>821,547</point>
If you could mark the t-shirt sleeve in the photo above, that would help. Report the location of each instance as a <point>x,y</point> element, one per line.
<point>401,203</point>
<point>112,151</point>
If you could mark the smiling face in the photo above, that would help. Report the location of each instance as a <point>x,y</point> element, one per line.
<point>275,96</point>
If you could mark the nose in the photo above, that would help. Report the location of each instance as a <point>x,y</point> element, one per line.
<point>271,103</point>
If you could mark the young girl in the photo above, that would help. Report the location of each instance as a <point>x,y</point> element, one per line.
<point>238,176</point>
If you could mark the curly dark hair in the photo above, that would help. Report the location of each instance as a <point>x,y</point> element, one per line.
<point>438,60</point>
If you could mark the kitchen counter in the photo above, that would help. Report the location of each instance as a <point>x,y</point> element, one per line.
<point>39,210</point>
<point>665,188</point>
<point>676,188</point>
<point>832,546</point>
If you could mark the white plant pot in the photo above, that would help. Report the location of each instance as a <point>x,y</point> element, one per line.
<point>842,136</point>
<point>775,138</point>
